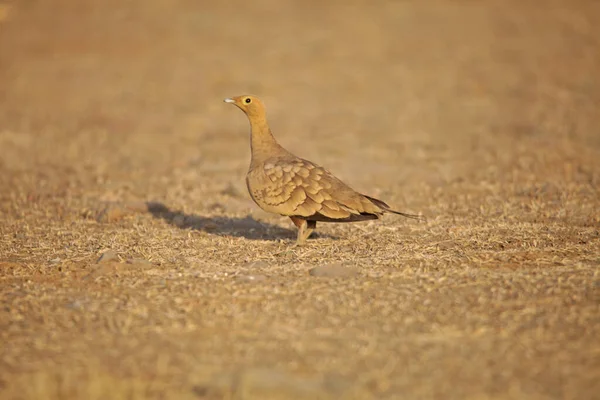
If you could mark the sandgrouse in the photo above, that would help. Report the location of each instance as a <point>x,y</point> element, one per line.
<point>281,183</point>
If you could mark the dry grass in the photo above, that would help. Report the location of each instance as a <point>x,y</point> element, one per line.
<point>482,116</point>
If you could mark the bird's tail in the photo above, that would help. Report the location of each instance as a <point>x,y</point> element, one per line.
<point>384,206</point>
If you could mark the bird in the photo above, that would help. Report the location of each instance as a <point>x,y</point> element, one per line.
<point>279,182</point>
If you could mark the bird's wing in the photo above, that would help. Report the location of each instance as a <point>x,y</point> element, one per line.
<point>299,187</point>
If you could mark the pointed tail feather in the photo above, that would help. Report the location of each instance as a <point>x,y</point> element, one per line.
<point>384,206</point>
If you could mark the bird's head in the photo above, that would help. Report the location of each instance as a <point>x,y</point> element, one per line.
<point>251,105</point>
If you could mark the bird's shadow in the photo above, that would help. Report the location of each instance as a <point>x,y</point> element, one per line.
<point>247,227</point>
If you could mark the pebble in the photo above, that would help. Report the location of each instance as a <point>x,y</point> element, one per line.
<point>139,261</point>
<point>333,271</point>
<point>251,278</point>
<point>259,264</point>
<point>116,211</point>
<point>232,190</point>
<point>108,255</point>
<point>179,220</point>
<point>111,213</point>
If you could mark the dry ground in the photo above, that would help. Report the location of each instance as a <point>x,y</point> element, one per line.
<point>484,116</point>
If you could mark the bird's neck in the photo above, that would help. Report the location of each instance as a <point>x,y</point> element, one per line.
<point>262,142</point>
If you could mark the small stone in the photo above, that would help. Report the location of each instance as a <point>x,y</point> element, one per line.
<point>107,256</point>
<point>111,213</point>
<point>210,227</point>
<point>75,305</point>
<point>251,278</point>
<point>333,271</point>
<point>139,261</point>
<point>232,191</point>
<point>115,211</point>
<point>259,264</point>
<point>216,207</point>
<point>105,268</point>
<point>179,220</point>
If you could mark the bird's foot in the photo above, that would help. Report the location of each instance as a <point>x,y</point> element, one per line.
<point>297,244</point>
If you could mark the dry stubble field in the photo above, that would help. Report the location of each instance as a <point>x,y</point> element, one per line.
<point>484,116</point>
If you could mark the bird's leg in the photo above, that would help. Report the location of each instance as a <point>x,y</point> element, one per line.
<point>301,225</point>
<point>310,227</point>
<point>305,228</point>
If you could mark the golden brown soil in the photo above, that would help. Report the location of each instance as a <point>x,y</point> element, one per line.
<point>484,116</point>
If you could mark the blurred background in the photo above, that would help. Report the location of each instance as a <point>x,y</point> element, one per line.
<point>451,83</point>
<point>482,115</point>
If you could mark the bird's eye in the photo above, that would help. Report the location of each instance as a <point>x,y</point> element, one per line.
<point>248,100</point>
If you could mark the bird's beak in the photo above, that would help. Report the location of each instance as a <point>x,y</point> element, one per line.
<point>229,100</point>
